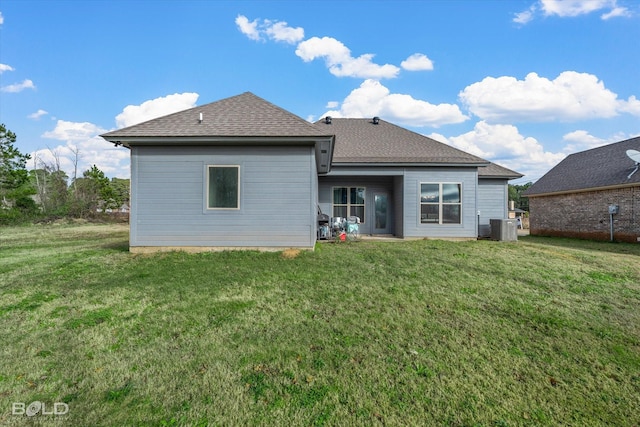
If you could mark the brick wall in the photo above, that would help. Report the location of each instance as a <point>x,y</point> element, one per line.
<point>586,215</point>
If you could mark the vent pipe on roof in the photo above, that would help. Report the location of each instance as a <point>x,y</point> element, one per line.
<point>327,120</point>
<point>200,119</point>
<point>376,120</point>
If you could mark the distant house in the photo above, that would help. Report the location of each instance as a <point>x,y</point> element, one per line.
<point>573,198</point>
<point>244,173</point>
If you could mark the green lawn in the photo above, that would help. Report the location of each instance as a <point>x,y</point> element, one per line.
<point>480,333</point>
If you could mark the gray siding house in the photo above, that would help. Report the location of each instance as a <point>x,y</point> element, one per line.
<point>413,185</point>
<point>244,173</point>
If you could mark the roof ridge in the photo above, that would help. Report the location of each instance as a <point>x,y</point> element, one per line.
<point>246,114</point>
<point>439,142</point>
<point>413,132</point>
<point>609,145</point>
<point>360,139</point>
<point>179,112</point>
<point>306,122</point>
<point>598,167</point>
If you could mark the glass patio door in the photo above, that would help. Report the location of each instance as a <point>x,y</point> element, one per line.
<point>381,217</point>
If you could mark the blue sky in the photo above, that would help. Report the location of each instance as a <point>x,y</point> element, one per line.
<point>522,83</point>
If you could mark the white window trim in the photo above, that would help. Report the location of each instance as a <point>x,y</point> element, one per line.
<point>348,205</point>
<point>237,208</point>
<point>440,204</point>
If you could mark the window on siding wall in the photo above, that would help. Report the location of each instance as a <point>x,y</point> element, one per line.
<point>349,201</point>
<point>440,203</point>
<point>223,187</point>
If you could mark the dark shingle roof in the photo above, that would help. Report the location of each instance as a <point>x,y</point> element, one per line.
<point>244,115</point>
<point>361,141</point>
<point>497,171</point>
<point>357,140</point>
<point>600,167</point>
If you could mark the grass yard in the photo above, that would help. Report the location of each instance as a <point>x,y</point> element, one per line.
<point>480,333</point>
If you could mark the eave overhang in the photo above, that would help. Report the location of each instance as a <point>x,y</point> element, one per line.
<point>409,164</point>
<point>583,190</point>
<point>507,177</point>
<point>323,145</point>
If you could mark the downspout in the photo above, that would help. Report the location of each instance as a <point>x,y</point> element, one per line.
<point>613,210</point>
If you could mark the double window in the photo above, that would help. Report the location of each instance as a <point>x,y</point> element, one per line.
<point>440,203</point>
<point>349,201</point>
<point>223,187</point>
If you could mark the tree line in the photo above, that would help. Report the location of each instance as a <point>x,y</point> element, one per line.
<point>515,194</point>
<point>46,191</point>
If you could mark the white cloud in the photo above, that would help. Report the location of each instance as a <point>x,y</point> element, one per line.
<point>18,87</point>
<point>1,19</point>
<point>581,140</point>
<point>93,150</point>
<point>572,8</point>
<point>47,156</point>
<point>568,8</point>
<point>374,99</point>
<point>334,51</point>
<point>526,16</point>
<point>114,162</point>
<point>274,30</point>
<point>504,145</point>
<point>332,104</point>
<point>249,29</point>
<point>337,56</point>
<point>37,114</point>
<point>631,106</point>
<point>281,32</point>
<point>498,142</point>
<point>616,12</point>
<point>5,67</point>
<point>134,114</point>
<point>417,62</point>
<point>340,62</point>
<point>571,96</point>
<point>73,131</point>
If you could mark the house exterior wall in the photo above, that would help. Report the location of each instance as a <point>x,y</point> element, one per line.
<point>398,202</point>
<point>586,215</point>
<point>278,193</point>
<point>372,184</point>
<point>403,187</point>
<point>413,177</point>
<point>492,203</point>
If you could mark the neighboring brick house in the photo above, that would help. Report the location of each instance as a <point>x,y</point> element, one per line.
<point>573,198</point>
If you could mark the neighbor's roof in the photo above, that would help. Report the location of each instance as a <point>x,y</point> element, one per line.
<point>244,115</point>
<point>598,168</point>
<point>361,141</point>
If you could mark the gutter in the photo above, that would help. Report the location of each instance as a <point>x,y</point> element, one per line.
<point>213,140</point>
<point>406,164</point>
<point>583,190</point>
